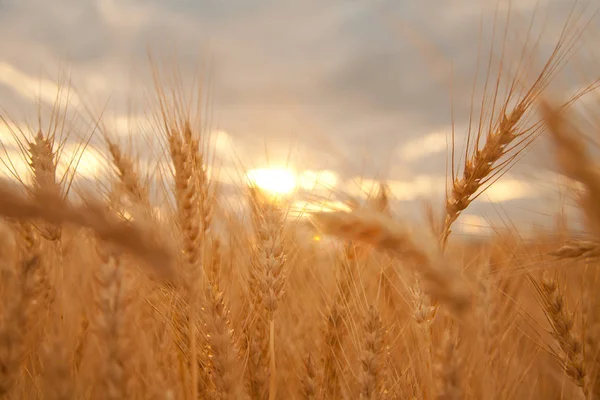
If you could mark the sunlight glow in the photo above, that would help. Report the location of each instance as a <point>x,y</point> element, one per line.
<point>303,208</point>
<point>222,141</point>
<point>276,181</point>
<point>13,164</point>
<point>310,180</point>
<point>89,162</point>
<point>508,189</point>
<point>419,186</point>
<point>473,225</point>
<point>8,130</point>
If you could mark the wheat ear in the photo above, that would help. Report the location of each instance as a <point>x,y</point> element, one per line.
<point>561,322</point>
<point>372,358</point>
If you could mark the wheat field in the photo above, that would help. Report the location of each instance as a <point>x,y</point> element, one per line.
<point>151,286</point>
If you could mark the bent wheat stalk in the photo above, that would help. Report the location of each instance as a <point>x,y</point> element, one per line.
<point>575,161</point>
<point>577,249</point>
<point>420,251</point>
<point>51,208</point>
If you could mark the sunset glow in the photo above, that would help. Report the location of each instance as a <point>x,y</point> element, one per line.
<point>303,209</point>
<point>276,181</point>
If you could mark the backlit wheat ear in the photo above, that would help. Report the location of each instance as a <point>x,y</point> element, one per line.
<point>447,370</point>
<point>30,247</point>
<point>372,357</point>
<point>507,130</point>
<point>267,283</point>
<point>128,175</point>
<point>189,227</point>
<point>223,353</point>
<point>591,334</point>
<point>205,198</point>
<point>11,333</point>
<point>336,322</point>
<point>480,166</point>
<point>561,322</point>
<point>20,277</point>
<point>112,327</point>
<point>309,380</point>
<point>14,328</point>
<point>441,278</point>
<point>381,201</point>
<point>42,162</point>
<point>424,312</point>
<point>186,197</point>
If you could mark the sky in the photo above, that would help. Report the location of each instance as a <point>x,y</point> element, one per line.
<point>358,89</point>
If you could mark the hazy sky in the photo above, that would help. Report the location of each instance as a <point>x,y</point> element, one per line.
<point>354,87</point>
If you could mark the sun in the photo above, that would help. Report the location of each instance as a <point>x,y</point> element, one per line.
<point>275,181</point>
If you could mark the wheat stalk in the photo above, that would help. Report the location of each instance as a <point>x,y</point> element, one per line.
<point>441,278</point>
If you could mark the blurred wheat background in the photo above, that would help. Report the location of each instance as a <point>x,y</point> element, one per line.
<point>153,254</point>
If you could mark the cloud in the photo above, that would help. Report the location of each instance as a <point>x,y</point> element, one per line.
<point>33,89</point>
<point>361,187</point>
<point>231,176</point>
<point>420,186</point>
<point>428,145</point>
<point>473,225</point>
<point>434,186</point>
<point>124,14</point>
<point>124,126</point>
<point>350,86</point>
<point>507,190</point>
<point>222,142</point>
<point>318,180</point>
<point>89,162</point>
